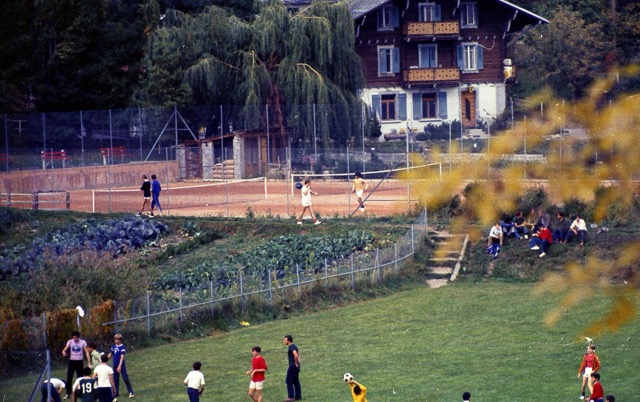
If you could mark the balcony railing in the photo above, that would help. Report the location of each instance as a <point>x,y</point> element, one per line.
<point>443,28</point>
<point>430,75</point>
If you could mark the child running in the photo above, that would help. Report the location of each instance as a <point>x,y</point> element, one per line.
<point>195,383</point>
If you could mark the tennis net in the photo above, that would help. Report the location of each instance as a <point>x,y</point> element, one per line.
<point>210,194</point>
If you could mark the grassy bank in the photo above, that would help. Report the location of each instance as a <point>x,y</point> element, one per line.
<point>418,345</point>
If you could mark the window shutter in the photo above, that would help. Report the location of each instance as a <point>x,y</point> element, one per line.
<point>480,57</point>
<point>402,106</point>
<point>376,105</point>
<point>396,59</point>
<point>460,58</point>
<point>417,105</point>
<point>436,13</point>
<point>382,62</point>
<point>442,105</point>
<point>380,18</point>
<point>395,19</point>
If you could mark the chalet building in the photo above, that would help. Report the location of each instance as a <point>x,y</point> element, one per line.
<point>435,61</point>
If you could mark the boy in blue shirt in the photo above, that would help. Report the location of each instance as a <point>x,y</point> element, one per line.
<point>118,351</point>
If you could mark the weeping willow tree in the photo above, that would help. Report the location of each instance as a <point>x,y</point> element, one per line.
<point>286,62</point>
<point>193,58</point>
<point>603,170</point>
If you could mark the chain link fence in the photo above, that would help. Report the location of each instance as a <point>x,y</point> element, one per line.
<point>160,312</point>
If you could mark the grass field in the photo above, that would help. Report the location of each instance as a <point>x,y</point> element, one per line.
<point>418,345</point>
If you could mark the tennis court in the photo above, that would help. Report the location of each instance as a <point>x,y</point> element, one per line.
<point>240,198</point>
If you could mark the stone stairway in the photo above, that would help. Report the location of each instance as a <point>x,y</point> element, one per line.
<point>445,266</point>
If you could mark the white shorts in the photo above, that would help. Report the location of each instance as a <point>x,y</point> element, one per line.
<point>587,372</point>
<point>306,204</point>
<point>256,385</point>
<point>359,193</point>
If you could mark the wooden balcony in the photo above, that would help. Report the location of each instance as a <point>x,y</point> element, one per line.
<point>431,29</point>
<point>430,75</point>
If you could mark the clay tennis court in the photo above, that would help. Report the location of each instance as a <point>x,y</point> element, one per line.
<point>260,197</point>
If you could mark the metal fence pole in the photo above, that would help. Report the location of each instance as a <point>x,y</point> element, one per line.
<point>412,241</point>
<point>298,275</point>
<point>353,279</point>
<point>326,271</point>
<point>44,329</point>
<point>148,312</point>
<point>270,291</point>
<point>241,292</point>
<point>181,313</point>
<point>395,251</point>
<point>379,268</point>
<point>213,310</point>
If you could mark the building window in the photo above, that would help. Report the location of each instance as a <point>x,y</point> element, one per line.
<point>428,56</point>
<point>388,18</point>
<point>470,57</point>
<point>469,15</point>
<point>428,12</point>
<point>388,60</point>
<point>388,111</point>
<point>429,103</point>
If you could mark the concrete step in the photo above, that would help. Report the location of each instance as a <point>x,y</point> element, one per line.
<point>442,270</point>
<point>436,283</point>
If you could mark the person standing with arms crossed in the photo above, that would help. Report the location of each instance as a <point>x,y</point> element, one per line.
<point>146,193</point>
<point>155,194</point>
<point>359,186</point>
<point>257,372</point>
<point>118,351</point>
<point>294,390</point>
<point>306,202</point>
<point>78,349</point>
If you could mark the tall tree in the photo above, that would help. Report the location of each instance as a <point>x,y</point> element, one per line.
<point>568,55</point>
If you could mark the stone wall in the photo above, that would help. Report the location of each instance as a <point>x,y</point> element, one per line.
<point>87,177</point>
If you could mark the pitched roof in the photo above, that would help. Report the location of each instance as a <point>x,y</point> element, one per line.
<point>522,17</point>
<point>362,7</point>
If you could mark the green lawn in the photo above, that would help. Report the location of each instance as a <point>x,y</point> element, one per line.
<point>418,345</point>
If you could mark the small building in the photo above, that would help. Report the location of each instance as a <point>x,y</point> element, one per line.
<point>237,155</point>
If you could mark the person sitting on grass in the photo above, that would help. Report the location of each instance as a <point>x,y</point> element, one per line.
<point>495,240</point>
<point>507,225</point>
<point>561,232</point>
<point>520,226</point>
<point>541,240</point>
<point>578,228</point>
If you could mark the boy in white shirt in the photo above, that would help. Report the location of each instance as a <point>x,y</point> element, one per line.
<point>195,383</point>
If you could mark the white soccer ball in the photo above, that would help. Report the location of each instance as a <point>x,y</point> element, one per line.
<point>347,377</point>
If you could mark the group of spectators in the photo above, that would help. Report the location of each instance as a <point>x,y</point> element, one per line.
<point>538,229</point>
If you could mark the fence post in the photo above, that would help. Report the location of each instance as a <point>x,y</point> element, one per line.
<point>34,201</point>
<point>213,310</point>
<point>412,241</point>
<point>241,292</point>
<point>379,268</point>
<point>68,200</point>
<point>44,329</point>
<point>395,251</point>
<point>298,274</point>
<point>270,291</point>
<point>353,279</point>
<point>148,312</point>
<point>326,271</point>
<point>181,316</point>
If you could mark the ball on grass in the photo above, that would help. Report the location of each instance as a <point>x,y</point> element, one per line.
<point>298,185</point>
<point>347,377</point>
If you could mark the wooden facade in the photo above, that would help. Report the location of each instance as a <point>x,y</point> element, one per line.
<point>442,60</point>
